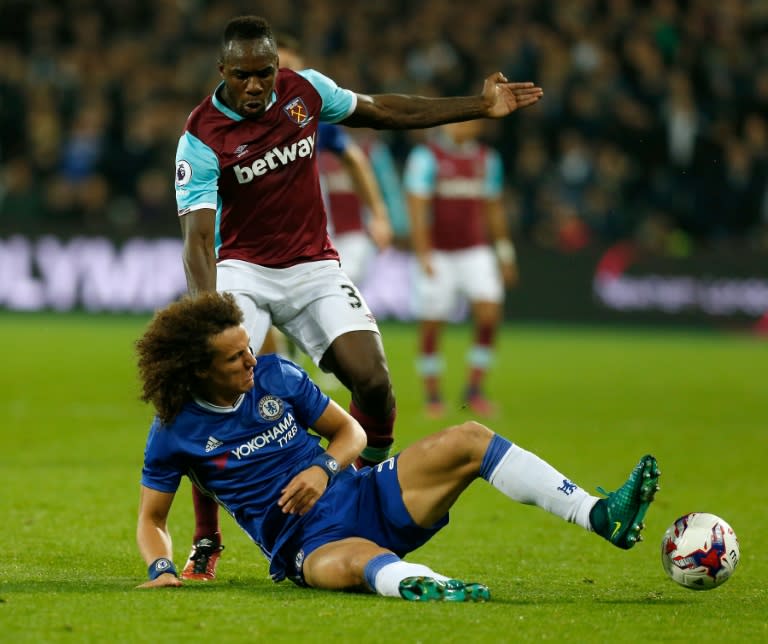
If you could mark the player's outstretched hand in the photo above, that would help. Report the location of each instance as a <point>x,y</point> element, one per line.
<point>502,97</point>
<point>163,581</point>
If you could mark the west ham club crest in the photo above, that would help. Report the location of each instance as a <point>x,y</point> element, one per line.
<point>297,112</point>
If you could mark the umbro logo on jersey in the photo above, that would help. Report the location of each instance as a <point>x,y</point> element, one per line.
<point>275,158</point>
<point>212,444</point>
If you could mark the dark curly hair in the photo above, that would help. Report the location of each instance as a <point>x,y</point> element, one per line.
<point>176,345</point>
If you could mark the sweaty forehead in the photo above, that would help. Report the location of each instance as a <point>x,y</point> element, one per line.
<point>257,53</point>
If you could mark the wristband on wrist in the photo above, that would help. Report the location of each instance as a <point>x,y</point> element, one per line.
<point>329,464</point>
<point>160,567</point>
<point>505,251</point>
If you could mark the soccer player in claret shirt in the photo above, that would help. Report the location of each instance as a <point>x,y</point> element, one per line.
<point>349,184</point>
<point>253,221</point>
<point>334,145</point>
<point>238,427</point>
<point>459,235</point>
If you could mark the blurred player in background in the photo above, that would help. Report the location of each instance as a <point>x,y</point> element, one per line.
<point>238,427</point>
<point>253,221</point>
<point>460,239</point>
<point>351,230</point>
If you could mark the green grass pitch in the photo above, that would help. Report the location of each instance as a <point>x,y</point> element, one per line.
<point>589,401</point>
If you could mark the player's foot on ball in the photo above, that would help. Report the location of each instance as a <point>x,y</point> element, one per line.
<point>428,589</point>
<point>619,517</point>
<point>201,564</point>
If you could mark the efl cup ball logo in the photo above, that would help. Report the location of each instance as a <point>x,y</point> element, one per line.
<point>270,407</point>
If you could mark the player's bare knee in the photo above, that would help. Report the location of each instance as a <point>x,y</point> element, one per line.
<point>331,574</point>
<point>468,441</point>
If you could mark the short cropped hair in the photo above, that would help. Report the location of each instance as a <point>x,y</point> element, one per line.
<point>246,28</point>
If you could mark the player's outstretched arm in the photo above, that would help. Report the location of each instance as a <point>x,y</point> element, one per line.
<point>153,538</point>
<point>498,99</point>
<point>502,97</point>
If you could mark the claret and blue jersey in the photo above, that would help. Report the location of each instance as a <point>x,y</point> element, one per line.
<point>459,180</point>
<point>260,175</point>
<point>244,455</point>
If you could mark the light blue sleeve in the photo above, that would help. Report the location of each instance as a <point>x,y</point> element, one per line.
<point>420,172</point>
<point>494,175</point>
<point>197,175</point>
<point>338,103</point>
<point>391,189</point>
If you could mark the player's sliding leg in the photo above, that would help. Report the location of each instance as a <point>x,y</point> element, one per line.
<point>619,517</point>
<point>360,564</point>
<point>526,478</point>
<point>390,576</point>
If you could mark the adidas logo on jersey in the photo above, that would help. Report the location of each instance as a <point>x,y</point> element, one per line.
<point>275,158</point>
<point>212,444</point>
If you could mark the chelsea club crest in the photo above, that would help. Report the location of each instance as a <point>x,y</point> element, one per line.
<point>270,407</point>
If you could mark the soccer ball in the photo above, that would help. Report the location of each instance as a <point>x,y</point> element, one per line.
<point>700,551</point>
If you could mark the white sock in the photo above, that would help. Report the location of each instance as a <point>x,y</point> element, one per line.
<point>386,581</point>
<point>524,477</point>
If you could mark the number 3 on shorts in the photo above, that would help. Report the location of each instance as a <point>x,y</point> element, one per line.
<point>355,302</point>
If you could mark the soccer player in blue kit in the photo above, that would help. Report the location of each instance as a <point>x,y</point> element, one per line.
<point>237,426</point>
<point>253,221</point>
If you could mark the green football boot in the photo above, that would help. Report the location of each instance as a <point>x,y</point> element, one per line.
<point>619,517</point>
<point>428,589</point>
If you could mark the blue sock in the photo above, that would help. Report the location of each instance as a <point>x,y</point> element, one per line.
<point>493,455</point>
<point>377,563</point>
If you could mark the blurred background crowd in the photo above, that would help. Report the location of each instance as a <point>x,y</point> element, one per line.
<point>653,126</point>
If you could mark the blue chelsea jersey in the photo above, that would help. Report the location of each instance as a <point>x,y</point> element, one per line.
<point>333,138</point>
<point>245,455</point>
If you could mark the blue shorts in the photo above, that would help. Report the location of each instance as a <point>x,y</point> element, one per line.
<point>365,503</point>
